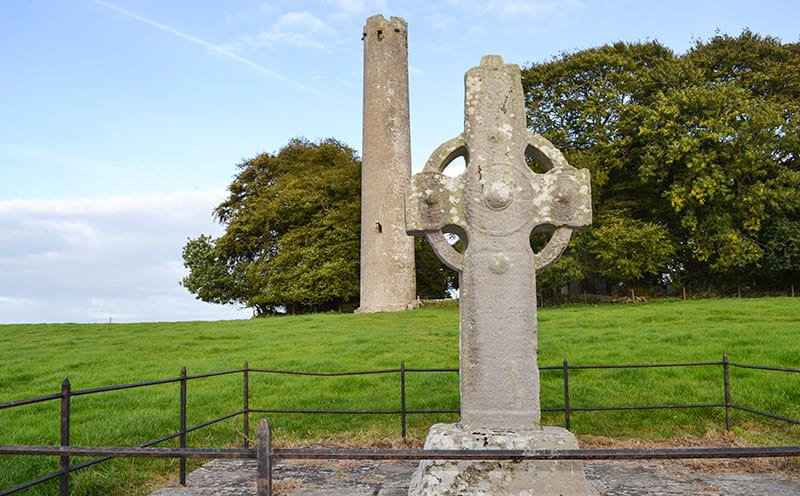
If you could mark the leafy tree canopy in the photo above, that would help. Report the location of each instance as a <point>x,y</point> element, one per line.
<point>291,228</point>
<point>695,156</point>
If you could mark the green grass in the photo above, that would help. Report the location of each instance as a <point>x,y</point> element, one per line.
<point>34,360</point>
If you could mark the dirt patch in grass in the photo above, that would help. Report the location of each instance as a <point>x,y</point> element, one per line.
<point>355,442</point>
<point>715,439</point>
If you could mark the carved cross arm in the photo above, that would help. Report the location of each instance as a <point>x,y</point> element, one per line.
<point>434,205</point>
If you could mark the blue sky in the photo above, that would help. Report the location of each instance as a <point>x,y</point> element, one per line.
<point>122,121</point>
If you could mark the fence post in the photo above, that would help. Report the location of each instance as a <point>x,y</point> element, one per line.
<point>246,403</point>
<point>183,426</point>
<point>264,459</point>
<point>66,393</point>
<point>727,380</point>
<point>567,419</point>
<point>403,399</point>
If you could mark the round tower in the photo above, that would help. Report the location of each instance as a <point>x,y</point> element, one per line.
<point>387,252</point>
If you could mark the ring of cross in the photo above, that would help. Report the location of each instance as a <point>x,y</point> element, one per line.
<point>539,149</point>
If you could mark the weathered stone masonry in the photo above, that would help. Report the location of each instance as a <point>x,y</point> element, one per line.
<point>387,252</point>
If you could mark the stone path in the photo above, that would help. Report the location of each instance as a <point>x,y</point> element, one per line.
<point>381,478</point>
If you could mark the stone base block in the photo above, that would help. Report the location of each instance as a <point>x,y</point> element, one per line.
<point>495,478</point>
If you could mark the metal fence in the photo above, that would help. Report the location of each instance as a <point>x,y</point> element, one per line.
<point>265,453</point>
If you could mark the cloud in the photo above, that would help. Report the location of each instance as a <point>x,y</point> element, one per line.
<point>357,7</point>
<point>302,29</point>
<point>529,12</point>
<point>88,260</point>
<point>348,6</point>
<point>219,50</point>
<point>304,20</point>
<point>299,29</point>
<point>14,302</point>
<point>513,8</point>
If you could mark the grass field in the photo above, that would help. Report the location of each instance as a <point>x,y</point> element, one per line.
<point>34,360</point>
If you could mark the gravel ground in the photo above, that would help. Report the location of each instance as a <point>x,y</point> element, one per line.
<point>381,478</point>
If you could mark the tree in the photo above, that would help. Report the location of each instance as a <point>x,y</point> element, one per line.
<point>709,149</point>
<point>723,149</point>
<point>291,241</point>
<point>703,147</point>
<point>209,277</point>
<point>781,262</point>
<point>627,249</point>
<point>566,270</point>
<point>292,233</point>
<point>581,102</point>
<point>434,279</point>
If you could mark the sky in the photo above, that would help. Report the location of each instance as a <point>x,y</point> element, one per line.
<point>122,121</point>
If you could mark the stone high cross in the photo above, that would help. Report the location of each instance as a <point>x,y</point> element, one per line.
<point>493,207</point>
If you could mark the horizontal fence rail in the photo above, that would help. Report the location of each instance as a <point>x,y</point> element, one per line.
<point>265,453</point>
<point>578,454</point>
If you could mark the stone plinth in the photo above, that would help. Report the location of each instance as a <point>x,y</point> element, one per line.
<point>493,478</point>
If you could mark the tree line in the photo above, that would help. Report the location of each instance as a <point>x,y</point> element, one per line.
<point>694,158</point>
<point>695,176</point>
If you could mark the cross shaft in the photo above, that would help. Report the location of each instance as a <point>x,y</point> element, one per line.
<point>493,207</point>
